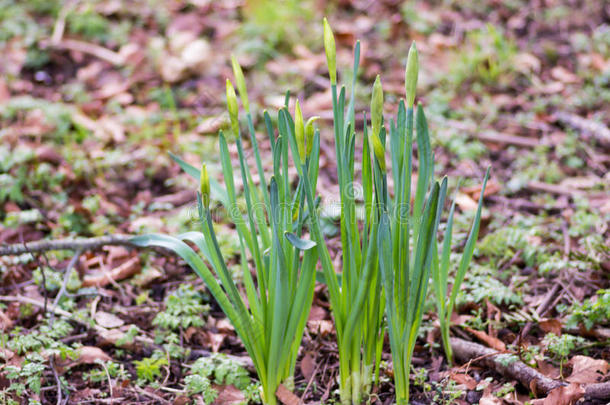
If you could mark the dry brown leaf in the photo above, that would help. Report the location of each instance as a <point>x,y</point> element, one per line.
<point>228,394</point>
<point>567,395</point>
<point>564,75</point>
<point>286,396</point>
<point>103,278</point>
<point>308,365</point>
<point>465,380</point>
<point>224,325</point>
<point>465,202</point>
<point>90,354</point>
<point>547,369</point>
<point>490,399</point>
<point>317,313</point>
<point>214,340</point>
<point>86,355</point>
<point>490,341</point>
<point>108,320</point>
<point>322,327</point>
<point>587,370</point>
<point>6,323</point>
<point>552,325</point>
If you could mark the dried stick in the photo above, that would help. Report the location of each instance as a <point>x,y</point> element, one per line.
<point>515,369</point>
<point>66,244</point>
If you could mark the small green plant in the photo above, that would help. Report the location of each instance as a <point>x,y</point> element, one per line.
<point>184,308</point>
<point>440,271</point>
<point>447,394</point>
<point>490,55</point>
<point>221,370</point>
<point>108,369</point>
<point>560,347</point>
<point>594,311</point>
<point>149,368</point>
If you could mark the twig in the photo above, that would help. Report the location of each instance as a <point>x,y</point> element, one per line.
<point>99,52</point>
<point>589,127</point>
<point>497,137</point>
<point>515,369</point>
<point>540,311</point>
<point>554,189</point>
<point>67,273</point>
<point>52,363</point>
<point>26,300</point>
<point>66,244</point>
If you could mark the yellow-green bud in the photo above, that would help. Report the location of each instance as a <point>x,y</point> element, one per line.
<point>232,107</point>
<point>309,133</point>
<point>378,150</point>
<point>204,186</point>
<point>299,131</point>
<point>240,82</point>
<point>377,106</point>
<point>331,52</point>
<point>411,75</point>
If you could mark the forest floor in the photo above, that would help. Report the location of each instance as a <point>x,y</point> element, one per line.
<point>94,94</point>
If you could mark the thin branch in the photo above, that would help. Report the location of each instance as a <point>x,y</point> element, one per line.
<point>67,244</point>
<point>64,284</point>
<point>530,378</point>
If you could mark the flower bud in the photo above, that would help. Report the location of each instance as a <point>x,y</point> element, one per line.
<point>204,186</point>
<point>309,133</point>
<point>299,131</point>
<point>377,106</point>
<point>232,107</point>
<point>411,75</point>
<point>240,82</point>
<point>378,150</point>
<point>331,52</point>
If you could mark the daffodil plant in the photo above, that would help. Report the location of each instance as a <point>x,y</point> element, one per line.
<point>398,234</point>
<point>270,315</point>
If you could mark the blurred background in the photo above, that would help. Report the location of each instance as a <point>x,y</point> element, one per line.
<point>94,93</point>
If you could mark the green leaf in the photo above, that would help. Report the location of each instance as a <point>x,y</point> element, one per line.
<point>299,243</point>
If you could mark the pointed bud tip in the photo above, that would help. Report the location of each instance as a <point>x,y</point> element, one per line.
<point>411,73</point>
<point>204,186</point>
<point>331,52</point>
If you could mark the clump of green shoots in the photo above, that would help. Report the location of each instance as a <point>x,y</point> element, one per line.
<point>271,319</point>
<point>356,300</point>
<point>398,237</point>
<point>388,237</point>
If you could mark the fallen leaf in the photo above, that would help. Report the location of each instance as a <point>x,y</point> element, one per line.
<point>551,326</point>
<point>567,395</point>
<point>547,369</point>
<point>490,399</point>
<point>308,365</point>
<point>317,313</point>
<point>229,394</point>
<point>564,75</point>
<point>587,370</point>
<point>108,320</point>
<point>214,340</point>
<point>490,341</point>
<point>90,354</point>
<point>103,278</point>
<point>465,380</point>
<point>86,355</point>
<point>465,202</point>
<point>286,396</point>
<point>6,323</point>
<point>322,327</point>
